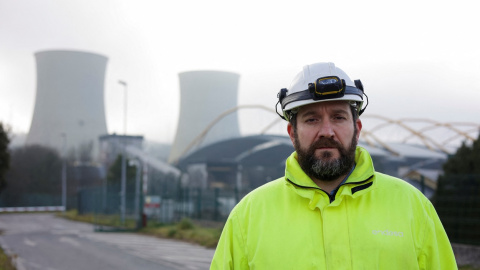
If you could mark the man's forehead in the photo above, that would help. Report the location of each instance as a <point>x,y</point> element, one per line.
<point>337,106</point>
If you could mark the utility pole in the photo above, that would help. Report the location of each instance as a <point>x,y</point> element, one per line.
<point>123,192</point>
<point>64,173</point>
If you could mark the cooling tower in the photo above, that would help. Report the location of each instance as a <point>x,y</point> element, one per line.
<point>69,104</point>
<point>204,96</point>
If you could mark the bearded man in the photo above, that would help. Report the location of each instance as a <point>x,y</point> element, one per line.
<point>331,210</point>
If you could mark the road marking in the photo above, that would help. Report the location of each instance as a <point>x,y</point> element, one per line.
<point>70,241</point>
<point>28,242</point>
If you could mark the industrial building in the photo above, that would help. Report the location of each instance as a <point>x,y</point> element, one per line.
<point>113,145</point>
<point>248,162</point>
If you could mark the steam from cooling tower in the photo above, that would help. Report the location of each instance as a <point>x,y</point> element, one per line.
<point>205,95</point>
<point>69,105</point>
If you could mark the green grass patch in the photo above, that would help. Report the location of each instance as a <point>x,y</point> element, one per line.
<point>185,230</point>
<point>205,234</point>
<point>97,219</point>
<point>5,261</point>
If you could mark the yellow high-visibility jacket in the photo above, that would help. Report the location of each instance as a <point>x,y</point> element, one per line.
<point>374,221</point>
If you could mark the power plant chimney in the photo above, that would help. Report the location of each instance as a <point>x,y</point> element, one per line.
<point>204,96</point>
<point>69,106</point>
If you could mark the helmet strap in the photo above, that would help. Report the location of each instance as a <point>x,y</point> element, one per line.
<point>276,110</point>
<point>362,110</point>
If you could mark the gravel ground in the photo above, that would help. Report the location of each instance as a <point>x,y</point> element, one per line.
<point>467,255</point>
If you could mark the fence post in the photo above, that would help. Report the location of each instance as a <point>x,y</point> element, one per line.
<point>215,211</point>
<point>138,194</point>
<point>186,207</point>
<point>422,183</point>
<point>199,203</point>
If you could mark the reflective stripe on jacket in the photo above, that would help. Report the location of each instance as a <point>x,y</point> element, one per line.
<point>374,221</point>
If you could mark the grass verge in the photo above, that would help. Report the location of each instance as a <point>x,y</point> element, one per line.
<point>204,234</point>
<point>186,230</point>
<point>105,220</point>
<point>5,261</point>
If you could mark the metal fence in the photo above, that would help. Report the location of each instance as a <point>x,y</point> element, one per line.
<point>168,206</point>
<point>457,202</point>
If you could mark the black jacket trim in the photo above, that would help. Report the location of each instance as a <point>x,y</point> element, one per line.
<point>332,197</point>
<point>362,187</point>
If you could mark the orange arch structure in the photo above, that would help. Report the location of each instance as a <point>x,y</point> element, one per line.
<point>369,134</point>
<point>456,128</point>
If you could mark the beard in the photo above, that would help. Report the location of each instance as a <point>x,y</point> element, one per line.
<point>325,167</point>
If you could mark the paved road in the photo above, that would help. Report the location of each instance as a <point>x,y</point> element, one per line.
<point>45,242</point>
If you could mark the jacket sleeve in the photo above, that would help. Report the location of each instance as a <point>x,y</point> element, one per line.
<point>437,252</point>
<point>230,251</point>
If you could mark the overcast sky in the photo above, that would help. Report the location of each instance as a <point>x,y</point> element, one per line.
<point>415,58</point>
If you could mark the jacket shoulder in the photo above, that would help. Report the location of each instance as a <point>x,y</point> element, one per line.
<point>265,190</point>
<point>261,195</point>
<point>388,181</point>
<point>395,187</point>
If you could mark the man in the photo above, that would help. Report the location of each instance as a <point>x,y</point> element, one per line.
<point>331,210</point>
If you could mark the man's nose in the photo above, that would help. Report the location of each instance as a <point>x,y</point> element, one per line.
<point>326,130</point>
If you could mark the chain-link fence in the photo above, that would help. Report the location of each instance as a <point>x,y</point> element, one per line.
<point>169,206</point>
<point>457,202</point>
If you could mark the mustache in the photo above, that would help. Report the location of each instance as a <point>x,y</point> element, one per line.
<point>326,142</point>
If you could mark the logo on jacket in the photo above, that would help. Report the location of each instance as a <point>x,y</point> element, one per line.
<point>387,233</point>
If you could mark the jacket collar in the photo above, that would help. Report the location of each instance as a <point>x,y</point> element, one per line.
<point>363,170</point>
<point>305,186</point>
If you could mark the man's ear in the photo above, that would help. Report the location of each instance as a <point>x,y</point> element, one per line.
<point>359,127</point>
<point>291,133</point>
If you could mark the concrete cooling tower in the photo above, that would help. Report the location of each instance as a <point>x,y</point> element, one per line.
<point>204,96</point>
<point>69,104</point>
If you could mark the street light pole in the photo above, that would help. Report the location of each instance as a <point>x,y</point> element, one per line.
<point>124,107</point>
<point>123,192</point>
<point>64,173</point>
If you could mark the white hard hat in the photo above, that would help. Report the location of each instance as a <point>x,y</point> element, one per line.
<point>320,82</point>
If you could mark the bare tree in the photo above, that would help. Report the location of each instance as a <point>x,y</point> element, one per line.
<point>4,156</point>
<point>34,173</point>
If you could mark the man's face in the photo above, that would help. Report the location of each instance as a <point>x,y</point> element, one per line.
<point>325,139</point>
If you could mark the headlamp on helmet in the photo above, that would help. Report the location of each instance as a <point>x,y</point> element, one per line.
<point>324,88</point>
<point>327,87</point>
